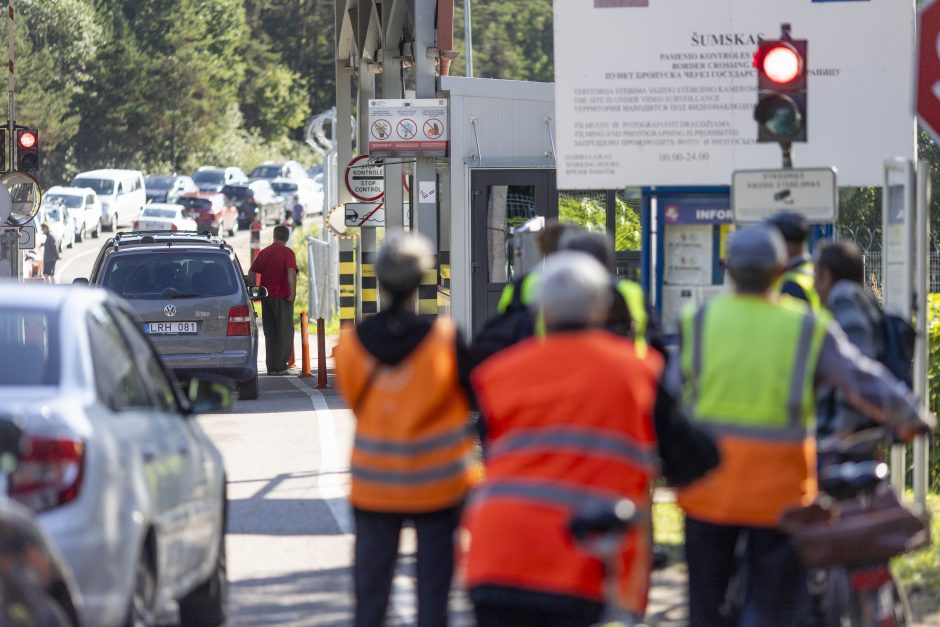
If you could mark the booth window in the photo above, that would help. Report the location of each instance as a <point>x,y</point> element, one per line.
<point>589,210</point>
<point>507,206</point>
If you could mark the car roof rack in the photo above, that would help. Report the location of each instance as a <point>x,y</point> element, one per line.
<point>167,237</point>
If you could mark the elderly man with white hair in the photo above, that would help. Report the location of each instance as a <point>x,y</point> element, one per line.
<point>588,438</point>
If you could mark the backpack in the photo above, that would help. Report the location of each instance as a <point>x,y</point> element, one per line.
<point>503,330</point>
<point>897,346</point>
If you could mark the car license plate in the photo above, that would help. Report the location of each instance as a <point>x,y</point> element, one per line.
<point>172,328</point>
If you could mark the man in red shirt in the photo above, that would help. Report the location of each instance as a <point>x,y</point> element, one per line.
<point>277,266</point>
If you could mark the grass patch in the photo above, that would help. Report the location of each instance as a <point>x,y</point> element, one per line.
<point>669,530</point>
<point>919,572</point>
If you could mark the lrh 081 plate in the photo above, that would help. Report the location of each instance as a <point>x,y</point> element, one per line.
<point>176,327</point>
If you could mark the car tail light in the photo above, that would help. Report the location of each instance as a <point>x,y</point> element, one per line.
<point>239,320</point>
<point>173,227</point>
<point>870,578</point>
<point>136,225</point>
<point>49,473</point>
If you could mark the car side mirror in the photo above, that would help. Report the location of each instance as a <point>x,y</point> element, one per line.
<point>209,393</point>
<point>257,292</point>
<point>80,281</point>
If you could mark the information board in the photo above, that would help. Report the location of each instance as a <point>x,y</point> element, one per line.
<point>661,92</point>
<point>898,233</point>
<point>758,194</point>
<point>416,128</point>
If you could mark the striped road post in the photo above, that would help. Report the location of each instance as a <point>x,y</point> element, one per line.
<point>347,281</point>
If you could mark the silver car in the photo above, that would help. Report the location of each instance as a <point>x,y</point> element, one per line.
<point>122,478</point>
<point>190,292</point>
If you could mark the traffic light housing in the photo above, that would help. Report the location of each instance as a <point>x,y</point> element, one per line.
<point>781,111</point>
<point>27,150</point>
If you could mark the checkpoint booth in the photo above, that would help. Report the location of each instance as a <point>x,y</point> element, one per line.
<point>499,175</point>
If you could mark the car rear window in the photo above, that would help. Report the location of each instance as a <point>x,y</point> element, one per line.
<point>209,176</point>
<point>104,187</point>
<point>284,187</point>
<point>236,191</point>
<point>159,213</point>
<point>163,274</point>
<point>195,203</point>
<point>70,201</point>
<point>29,344</point>
<point>266,171</point>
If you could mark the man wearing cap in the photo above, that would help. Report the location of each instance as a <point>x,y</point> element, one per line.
<point>751,363</point>
<point>799,279</point>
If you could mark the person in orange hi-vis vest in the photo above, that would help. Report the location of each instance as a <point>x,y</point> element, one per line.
<point>599,434</point>
<point>413,456</point>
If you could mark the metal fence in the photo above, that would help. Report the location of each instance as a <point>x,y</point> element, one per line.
<point>323,273</point>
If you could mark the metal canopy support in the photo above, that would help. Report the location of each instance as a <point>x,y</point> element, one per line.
<point>368,287</point>
<point>392,88</point>
<point>425,180</point>
<point>347,247</point>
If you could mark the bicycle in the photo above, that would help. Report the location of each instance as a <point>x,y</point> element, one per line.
<point>858,593</point>
<point>598,529</point>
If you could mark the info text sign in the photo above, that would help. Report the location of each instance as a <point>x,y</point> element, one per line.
<point>662,92</point>
<point>758,194</point>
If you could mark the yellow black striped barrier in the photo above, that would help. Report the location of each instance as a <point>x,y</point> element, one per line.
<point>347,285</point>
<point>427,293</point>
<point>370,286</point>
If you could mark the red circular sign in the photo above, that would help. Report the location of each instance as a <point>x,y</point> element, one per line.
<point>365,180</point>
<point>928,67</point>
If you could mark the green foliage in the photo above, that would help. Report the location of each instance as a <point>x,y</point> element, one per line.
<point>917,572</point>
<point>589,210</point>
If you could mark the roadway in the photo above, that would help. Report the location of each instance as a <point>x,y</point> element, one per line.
<point>290,530</point>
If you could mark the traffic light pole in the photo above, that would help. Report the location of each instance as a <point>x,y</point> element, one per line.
<point>11,85</point>
<point>787,148</point>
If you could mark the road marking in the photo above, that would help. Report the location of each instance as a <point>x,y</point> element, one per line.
<point>60,270</point>
<point>333,491</point>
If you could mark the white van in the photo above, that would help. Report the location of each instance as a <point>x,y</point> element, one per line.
<point>121,192</point>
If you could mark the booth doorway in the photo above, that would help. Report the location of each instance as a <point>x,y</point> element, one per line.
<point>500,200</point>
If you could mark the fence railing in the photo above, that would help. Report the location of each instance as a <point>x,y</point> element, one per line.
<point>873,270</point>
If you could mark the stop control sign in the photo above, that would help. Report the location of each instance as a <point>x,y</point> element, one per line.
<point>928,67</point>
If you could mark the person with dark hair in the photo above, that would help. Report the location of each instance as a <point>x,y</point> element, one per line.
<point>277,267</point>
<point>840,278</point>
<point>798,280</point>
<point>752,362</point>
<point>412,453</point>
<point>50,254</point>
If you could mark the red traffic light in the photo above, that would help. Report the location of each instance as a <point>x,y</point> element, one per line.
<point>780,63</point>
<point>27,139</point>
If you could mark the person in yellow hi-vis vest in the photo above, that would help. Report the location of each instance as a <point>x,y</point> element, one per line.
<point>751,363</point>
<point>799,280</point>
<point>412,457</point>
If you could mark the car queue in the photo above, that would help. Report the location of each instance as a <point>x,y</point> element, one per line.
<point>215,199</point>
<point>102,385</point>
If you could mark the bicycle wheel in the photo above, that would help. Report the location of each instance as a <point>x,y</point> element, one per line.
<point>884,606</point>
<point>836,605</point>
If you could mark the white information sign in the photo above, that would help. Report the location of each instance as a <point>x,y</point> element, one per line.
<point>898,234</point>
<point>662,92</point>
<point>365,214</point>
<point>689,250</point>
<point>26,235</point>
<point>758,194</point>
<point>402,128</point>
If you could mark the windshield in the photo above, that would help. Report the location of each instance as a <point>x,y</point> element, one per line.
<point>171,274</point>
<point>72,202</point>
<point>30,347</point>
<point>284,187</point>
<point>150,212</point>
<point>104,187</point>
<point>266,172</point>
<point>209,176</point>
<point>236,191</point>
<point>159,182</point>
